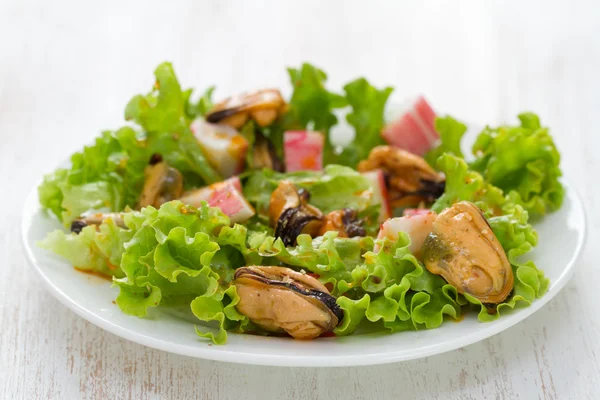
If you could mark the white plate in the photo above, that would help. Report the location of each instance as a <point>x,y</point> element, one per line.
<point>561,236</point>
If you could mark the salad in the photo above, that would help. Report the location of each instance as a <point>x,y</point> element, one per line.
<point>249,214</point>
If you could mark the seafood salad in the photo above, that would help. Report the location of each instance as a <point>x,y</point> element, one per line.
<point>247,213</point>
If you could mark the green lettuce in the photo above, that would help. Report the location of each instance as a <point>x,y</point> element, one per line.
<point>109,175</point>
<point>173,259</point>
<point>523,159</point>
<point>169,256</point>
<point>162,115</point>
<point>451,132</point>
<point>201,107</point>
<point>398,292</point>
<point>334,188</point>
<point>399,309</point>
<point>367,119</point>
<point>93,250</point>
<point>219,306</point>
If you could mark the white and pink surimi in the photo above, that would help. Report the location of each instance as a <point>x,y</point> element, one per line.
<point>414,130</point>
<point>226,195</point>
<point>380,193</point>
<point>303,151</point>
<point>417,225</point>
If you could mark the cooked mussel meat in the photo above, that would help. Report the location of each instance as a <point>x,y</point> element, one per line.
<point>345,222</point>
<point>263,107</point>
<point>96,219</point>
<point>280,299</point>
<point>162,183</point>
<point>463,249</point>
<point>409,178</point>
<point>264,154</point>
<point>291,215</point>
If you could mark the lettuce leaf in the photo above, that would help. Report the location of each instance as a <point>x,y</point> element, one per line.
<point>201,107</point>
<point>162,114</point>
<point>165,257</point>
<point>367,118</point>
<point>464,184</point>
<point>219,306</point>
<point>173,258</point>
<point>91,250</point>
<point>399,292</point>
<point>109,174</point>
<point>451,132</point>
<point>334,188</point>
<point>400,309</point>
<point>524,159</point>
<point>521,159</point>
<point>311,102</point>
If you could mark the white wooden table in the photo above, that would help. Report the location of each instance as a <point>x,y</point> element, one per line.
<point>67,70</point>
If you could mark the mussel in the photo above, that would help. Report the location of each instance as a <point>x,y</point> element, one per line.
<point>463,249</point>
<point>345,222</point>
<point>162,183</point>
<point>291,215</point>
<point>264,154</point>
<point>410,179</point>
<point>96,219</point>
<point>263,106</point>
<point>280,299</point>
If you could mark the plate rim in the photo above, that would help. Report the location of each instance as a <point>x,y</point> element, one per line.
<point>206,352</point>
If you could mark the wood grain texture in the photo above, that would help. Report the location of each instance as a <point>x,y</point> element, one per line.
<point>68,68</point>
